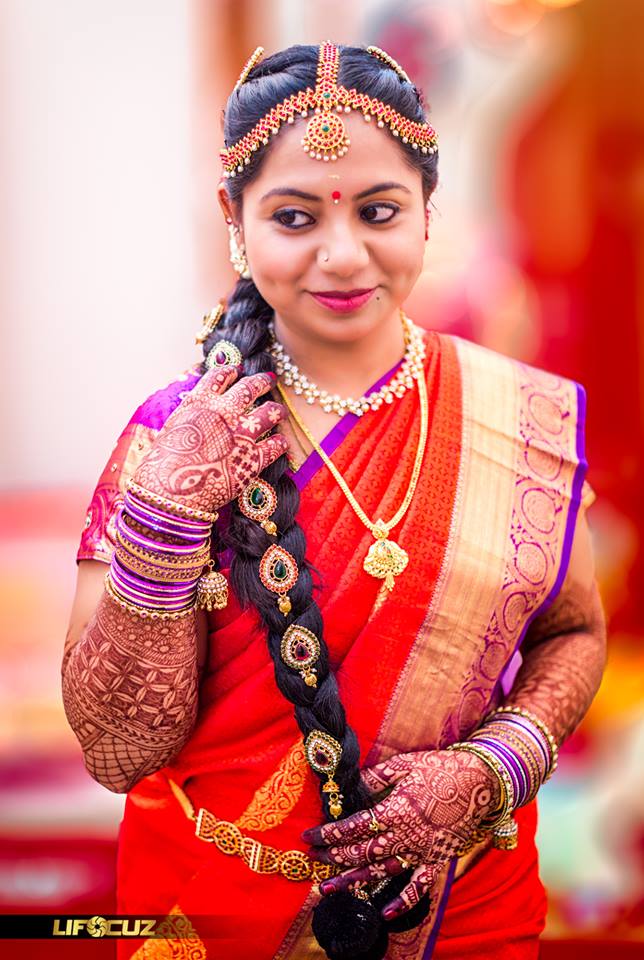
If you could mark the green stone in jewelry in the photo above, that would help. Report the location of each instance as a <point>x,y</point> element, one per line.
<point>279,570</point>
<point>257,497</point>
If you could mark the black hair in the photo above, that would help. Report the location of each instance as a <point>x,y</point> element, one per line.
<point>245,323</point>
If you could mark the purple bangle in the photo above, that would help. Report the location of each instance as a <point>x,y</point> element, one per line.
<point>182,550</point>
<point>159,526</point>
<point>185,523</point>
<point>194,526</point>
<point>509,763</point>
<point>169,605</point>
<point>152,586</point>
<point>513,765</point>
<point>532,744</point>
<point>145,595</point>
<point>537,735</point>
<point>123,555</point>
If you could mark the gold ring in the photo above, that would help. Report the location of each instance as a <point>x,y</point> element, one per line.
<point>405,864</point>
<point>375,826</point>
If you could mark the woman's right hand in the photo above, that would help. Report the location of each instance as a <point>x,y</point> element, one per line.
<point>207,451</point>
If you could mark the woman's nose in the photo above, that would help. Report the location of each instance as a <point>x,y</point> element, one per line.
<point>342,252</point>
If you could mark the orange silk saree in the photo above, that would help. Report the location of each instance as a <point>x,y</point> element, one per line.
<point>488,534</point>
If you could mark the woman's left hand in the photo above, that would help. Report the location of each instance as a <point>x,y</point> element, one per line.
<point>438,800</point>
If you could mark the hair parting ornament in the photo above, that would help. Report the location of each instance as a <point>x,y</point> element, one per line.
<point>326,137</point>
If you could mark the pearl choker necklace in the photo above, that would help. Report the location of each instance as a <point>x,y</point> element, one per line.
<point>410,370</point>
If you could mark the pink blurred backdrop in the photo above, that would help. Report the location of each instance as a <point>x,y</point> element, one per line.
<point>113,248</point>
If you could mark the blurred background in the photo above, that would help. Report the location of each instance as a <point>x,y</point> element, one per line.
<point>112,247</point>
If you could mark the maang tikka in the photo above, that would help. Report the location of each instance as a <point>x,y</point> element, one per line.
<point>326,137</point>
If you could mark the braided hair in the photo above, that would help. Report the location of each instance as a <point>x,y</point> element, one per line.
<point>245,324</point>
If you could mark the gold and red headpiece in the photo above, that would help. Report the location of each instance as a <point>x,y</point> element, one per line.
<point>326,137</point>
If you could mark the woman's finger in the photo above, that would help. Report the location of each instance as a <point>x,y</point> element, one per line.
<point>259,420</point>
<point>358,825</point>
<point>271,449</point>
<point>239,397</point>
<point>361,852</point>
<point>390,867</point>
<point>422,879</point>
<point>216,380</point>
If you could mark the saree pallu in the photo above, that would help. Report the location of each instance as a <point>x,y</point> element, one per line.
<point>488,534</point>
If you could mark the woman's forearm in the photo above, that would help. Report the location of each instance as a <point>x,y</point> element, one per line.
<point>564,658</point>
<point>130,692</point>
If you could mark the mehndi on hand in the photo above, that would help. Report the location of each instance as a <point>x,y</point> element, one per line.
<point>208,449</point>
<point>433,813</point>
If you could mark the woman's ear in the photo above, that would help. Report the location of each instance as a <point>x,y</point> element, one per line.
<point>224,203</point>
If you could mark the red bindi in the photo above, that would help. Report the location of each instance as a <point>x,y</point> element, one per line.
<point>335,196</point>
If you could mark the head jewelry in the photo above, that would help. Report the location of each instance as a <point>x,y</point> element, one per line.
<point>325,137</point>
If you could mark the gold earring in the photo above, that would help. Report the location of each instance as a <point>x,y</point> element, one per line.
<point>238,253</point>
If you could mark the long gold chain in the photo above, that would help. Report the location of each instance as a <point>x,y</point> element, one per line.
<point>385,559</point>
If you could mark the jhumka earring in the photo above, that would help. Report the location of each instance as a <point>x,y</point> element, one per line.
<point>212,590</point>
<point>278,571</point>
<point>238,253</point>
<point>323,754</point>
<point>300,649</point>
<point>257,502</point>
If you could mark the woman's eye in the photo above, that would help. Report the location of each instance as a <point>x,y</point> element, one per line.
<point>379,212</point>
<point>289,218</point>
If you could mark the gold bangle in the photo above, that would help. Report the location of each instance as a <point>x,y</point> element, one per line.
<point>515,743</point>
<point>164,560</point>
<point>540,725</point>
<point>151,572</point>
<point>502,775</point>
<point>140,611</point>
<point>150,603</point>
<point>154,499</point>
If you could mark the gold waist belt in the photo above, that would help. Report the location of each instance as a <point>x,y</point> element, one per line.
<point>228,838</point>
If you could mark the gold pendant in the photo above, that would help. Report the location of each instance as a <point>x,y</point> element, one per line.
<point>385,559</point>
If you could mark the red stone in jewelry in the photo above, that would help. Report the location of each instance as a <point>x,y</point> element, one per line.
<point>335,196</point>
<point>300,648</point>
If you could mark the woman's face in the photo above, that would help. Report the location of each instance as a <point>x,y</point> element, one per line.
<point>311,227</point>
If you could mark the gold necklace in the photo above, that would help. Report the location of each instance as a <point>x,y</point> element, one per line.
<point>385,558</point>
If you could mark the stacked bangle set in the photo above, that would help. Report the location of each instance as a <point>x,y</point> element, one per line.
<point>158,576</point>
<point>522,753</point>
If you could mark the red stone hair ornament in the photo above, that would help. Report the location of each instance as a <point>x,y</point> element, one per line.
<point>326,137</point>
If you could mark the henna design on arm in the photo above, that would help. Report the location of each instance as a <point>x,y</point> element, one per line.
<point>130,692</point>
<point>564,658</point>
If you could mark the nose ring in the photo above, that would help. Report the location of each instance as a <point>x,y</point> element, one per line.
<point>325,258</point>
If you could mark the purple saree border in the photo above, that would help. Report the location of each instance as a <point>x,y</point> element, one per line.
<point>307,470</point>
<point>571,521</point>
<point>433,936</point>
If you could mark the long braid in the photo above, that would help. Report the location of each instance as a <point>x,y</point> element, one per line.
<point>245,324</point>
<point>345,926</point>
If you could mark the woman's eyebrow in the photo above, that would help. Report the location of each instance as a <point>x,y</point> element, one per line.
<point>380,188</point>
<point>303,195</point>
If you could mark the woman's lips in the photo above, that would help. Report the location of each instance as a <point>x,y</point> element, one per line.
<point>342,302</point>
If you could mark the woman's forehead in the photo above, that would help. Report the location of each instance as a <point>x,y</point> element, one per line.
<point>373,156</point>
